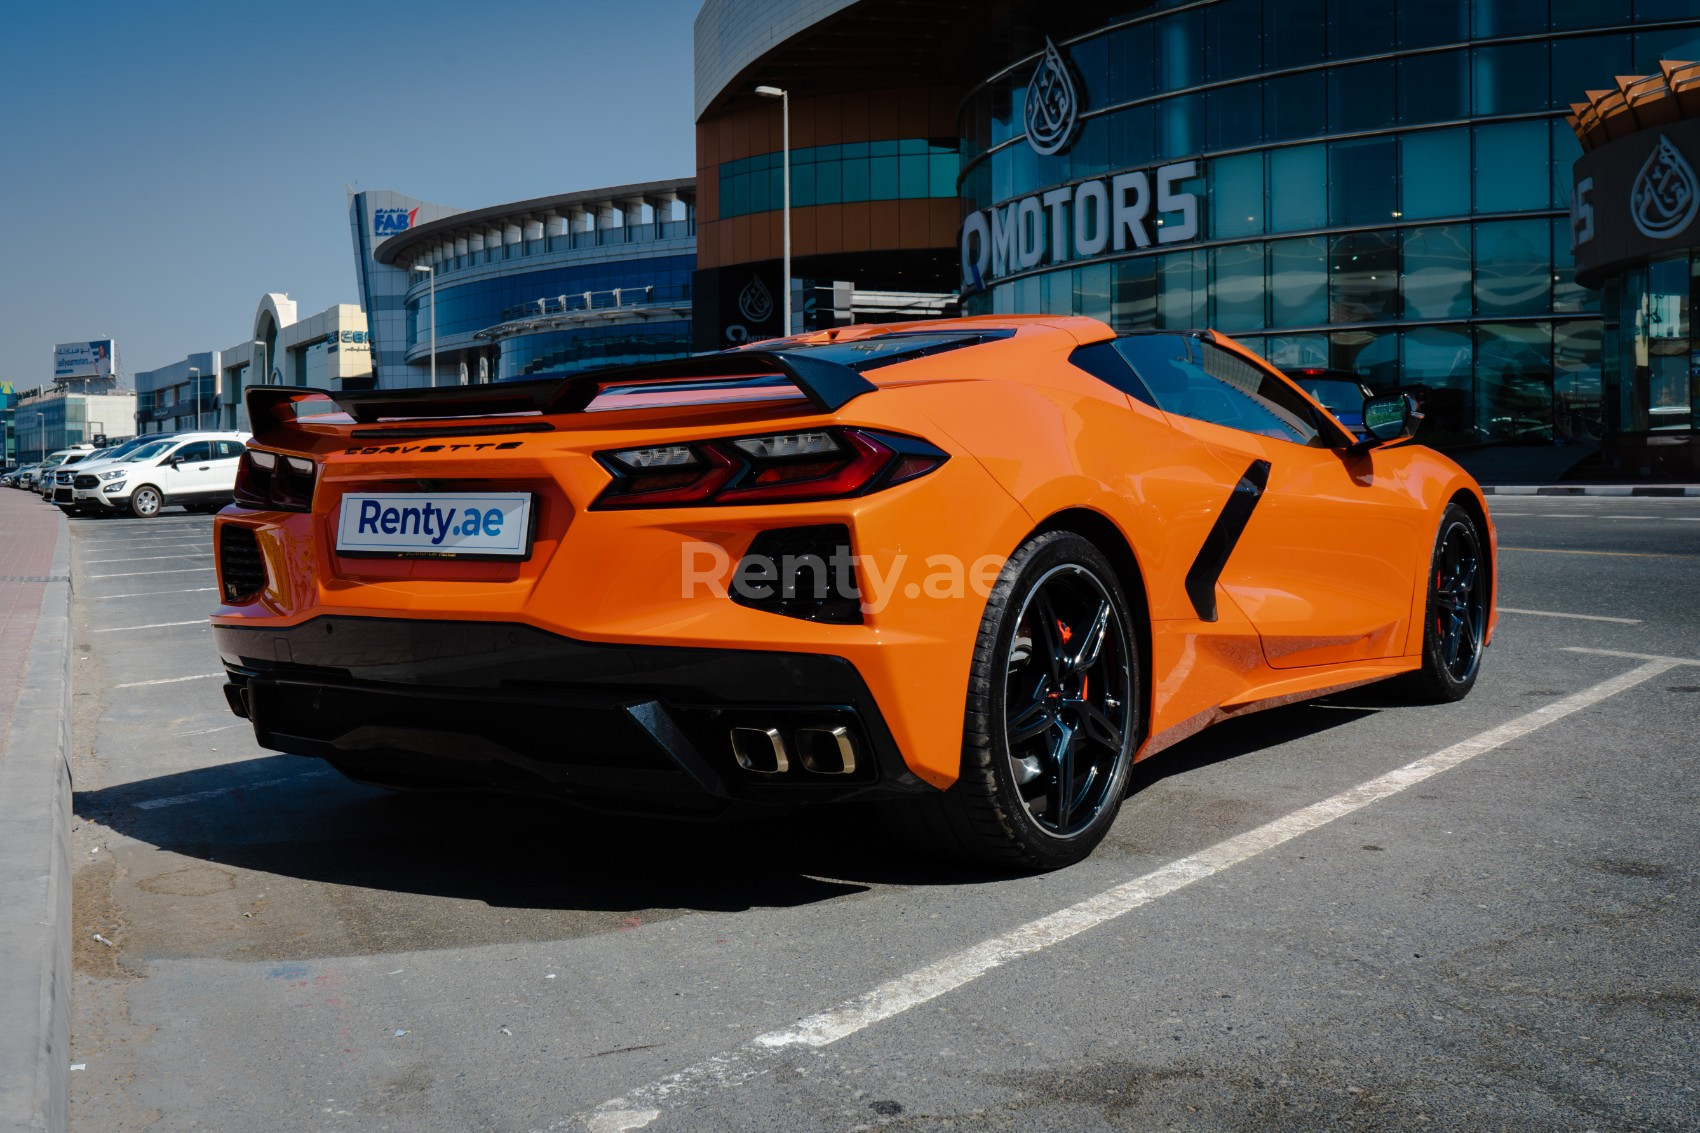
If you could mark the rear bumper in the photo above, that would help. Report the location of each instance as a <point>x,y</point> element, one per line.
<point>507,706</point>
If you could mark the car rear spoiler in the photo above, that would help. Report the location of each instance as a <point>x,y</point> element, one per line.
<point>829,386</point>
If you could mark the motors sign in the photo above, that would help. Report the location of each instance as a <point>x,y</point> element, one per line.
<point>1636,198</point>
<point>1122,212</point>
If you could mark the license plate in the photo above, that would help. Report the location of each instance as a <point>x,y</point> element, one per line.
<point>435,524</point>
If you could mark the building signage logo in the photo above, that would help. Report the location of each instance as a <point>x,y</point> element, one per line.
<point>1119,213</point>
<point>1053,103</point>
<point>390,222</point>
<point>83,359</point>
<point>1666,194</point>
<point>755,301</point>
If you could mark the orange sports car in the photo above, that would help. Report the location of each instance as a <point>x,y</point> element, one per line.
<point>975,568</point>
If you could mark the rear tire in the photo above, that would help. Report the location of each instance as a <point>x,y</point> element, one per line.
<point>1055,696</point>
<point>1455,619</point>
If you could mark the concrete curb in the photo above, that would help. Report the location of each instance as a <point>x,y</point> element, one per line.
<point>35,873</point>
<point>1591,489</point>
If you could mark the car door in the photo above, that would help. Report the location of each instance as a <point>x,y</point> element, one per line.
<point>188,472</point>
<point>1313,545</point>
<point>221,478</point>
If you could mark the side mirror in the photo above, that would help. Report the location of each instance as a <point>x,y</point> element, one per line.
<point>1390,417</point>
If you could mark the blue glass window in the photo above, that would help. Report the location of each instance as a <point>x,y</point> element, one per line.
<point>1362,181</point>
<point>1294,351</point>
<point>1236,113</point>
<point>1436,279</point>
<point>1514,383</point>
<point>1576,380</point>
<point>1183,291</point>
<point>1298,188</point>
<point>1294,106</point>
<point>1235,50</point>
<point>1131,63</point>
<point>1674,43</point>
<point>1432,22</point>
<point>1372,354</point>
<point>1565,150</point>
<point>1092,291</point>
<point>1236,196</point>
<point>1133,138</point>
<point>1363,277</point>
<point>1589,62</point>
<point>1359,28</point>
<point>1180,50</point>
<point>1513,170</point>
<point>1236,285</point>
<point>1436,179</point>
<point>1180,126</point>
<point>1434,88</point>
<point>1133,294</point>
<point>1495,18</point>
<point>1567,295</point>
<point>1294,33</point>
<point>1567,15</point>
<point>1360,97</point>
<point>1513,267</point>
<point>1438,362</point>
<point>1510,78</point>
<point>1298,282</point>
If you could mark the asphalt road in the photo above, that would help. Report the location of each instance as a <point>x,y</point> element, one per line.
<point>1506,943</point>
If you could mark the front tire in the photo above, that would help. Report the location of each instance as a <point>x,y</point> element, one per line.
<point>146,502</point>
<point>1455,622</point>
<point>1055,696</point>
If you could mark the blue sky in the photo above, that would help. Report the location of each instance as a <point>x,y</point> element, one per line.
<point>162,166</point>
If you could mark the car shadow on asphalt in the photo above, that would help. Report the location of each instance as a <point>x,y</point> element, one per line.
<point>295,817</point>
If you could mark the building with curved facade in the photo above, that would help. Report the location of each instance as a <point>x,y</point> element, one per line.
<point>1636,210</point>
<point>533,288</point>
<point>1383,188</point>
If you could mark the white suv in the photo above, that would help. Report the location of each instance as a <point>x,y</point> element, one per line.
<point>194,470</point>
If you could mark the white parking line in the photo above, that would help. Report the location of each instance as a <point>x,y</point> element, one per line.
<point>153,625</point>
<point>140,573</point>
<point>150,558</point>
<point>210,731</point>
<point>215,792</point>
<point>1568,515</point>
<point>1578,617</point>
<point>1650,657</point>
<point>155,593</point>
<point>643,1105</point>
<point>170,680</point>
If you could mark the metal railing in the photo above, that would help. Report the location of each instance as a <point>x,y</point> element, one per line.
<point>610,299</point>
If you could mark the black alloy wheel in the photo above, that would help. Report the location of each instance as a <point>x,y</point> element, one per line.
<point>1054,714</point>
<point>1455,626</point>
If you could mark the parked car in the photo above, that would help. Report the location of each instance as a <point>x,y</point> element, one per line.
<point>64,476</point>
<point>504,586</point>
<point>193,470</point>
<point>8,474</point>
<point>76,456</point>
<point>24,475</point>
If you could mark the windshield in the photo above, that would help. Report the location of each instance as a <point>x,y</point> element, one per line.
<point>148,451</point>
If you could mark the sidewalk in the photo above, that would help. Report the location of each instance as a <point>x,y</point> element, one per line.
<point>35,813</point>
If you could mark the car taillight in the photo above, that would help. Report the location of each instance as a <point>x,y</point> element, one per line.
<point>275,481</point>
<point>816,464</point>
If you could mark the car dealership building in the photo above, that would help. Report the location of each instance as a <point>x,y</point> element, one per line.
<point>1383,188</point>
<point>533,288</point>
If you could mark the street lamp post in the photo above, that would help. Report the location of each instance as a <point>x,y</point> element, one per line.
<point>195,376</point>
<point>784,97</point>
<point>431,274</point>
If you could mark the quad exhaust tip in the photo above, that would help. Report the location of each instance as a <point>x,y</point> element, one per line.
<point>826,751</point>
<point>822,750</point>
<point>761,750</point>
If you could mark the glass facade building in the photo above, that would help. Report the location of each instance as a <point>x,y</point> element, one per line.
<point>532,288</point>
<point>1380,188</point>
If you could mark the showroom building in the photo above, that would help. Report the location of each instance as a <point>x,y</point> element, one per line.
<point>530,289</point>
<point>1383,188</point>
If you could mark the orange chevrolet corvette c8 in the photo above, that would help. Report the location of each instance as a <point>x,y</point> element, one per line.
<point>974,568</point>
